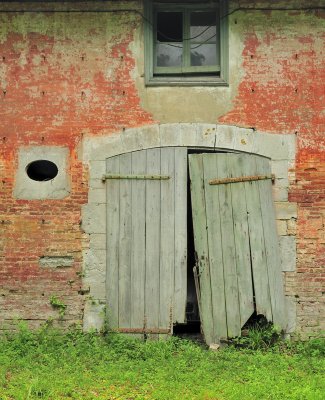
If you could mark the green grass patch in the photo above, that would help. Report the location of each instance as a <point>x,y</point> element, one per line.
<point>53,365</point>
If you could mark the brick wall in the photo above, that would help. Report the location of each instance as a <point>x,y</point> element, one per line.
<point>66,76</point>
<point>283,91</point>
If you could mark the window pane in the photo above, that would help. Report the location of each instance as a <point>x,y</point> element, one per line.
<point>203,27</point>
<point>168,55</point>
<point>170,27</point>
<point>203,54</point>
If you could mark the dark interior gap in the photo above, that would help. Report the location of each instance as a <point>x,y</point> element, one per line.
<point>192,328</point>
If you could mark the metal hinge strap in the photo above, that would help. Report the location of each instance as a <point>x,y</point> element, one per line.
<point>241,179</point>
<point>136,177</point>
<point>144,330</point>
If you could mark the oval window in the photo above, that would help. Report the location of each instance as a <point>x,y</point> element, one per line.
<point>42,170</point>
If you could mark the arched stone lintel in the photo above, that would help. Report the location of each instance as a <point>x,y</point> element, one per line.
<point>273,146</point>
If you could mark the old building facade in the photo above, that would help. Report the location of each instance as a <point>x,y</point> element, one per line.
<point>87,87</point>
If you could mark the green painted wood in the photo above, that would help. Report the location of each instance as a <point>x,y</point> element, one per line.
<point>113,224</point>
<point>167,243</point>
<point>228,249</point>
<point>153,210</point>
<point>125,244</point>
<point>214,229</point>
<point>257,241</point>
<point>138,244</point>
<point>201,244</point>
<point>275,280</point>
<point>180,273</point>
<point>237,167</point>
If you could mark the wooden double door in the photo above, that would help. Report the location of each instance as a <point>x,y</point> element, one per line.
<point>236,258</point>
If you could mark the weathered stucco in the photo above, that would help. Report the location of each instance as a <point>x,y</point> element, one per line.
<point>68,78</point>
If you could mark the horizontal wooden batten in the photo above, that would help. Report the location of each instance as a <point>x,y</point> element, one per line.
<point>241,179</point>
<point>136,177</point>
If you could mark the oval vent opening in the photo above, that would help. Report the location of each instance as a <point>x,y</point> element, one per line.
<point>42,170</point>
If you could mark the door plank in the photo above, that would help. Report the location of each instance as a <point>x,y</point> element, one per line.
<point>113,224</point>
<point>257,242</point>
<point>201,243</point>
<point>167,241</point>
<point>152,282</point>
<point>272,246</point>
<point>125,244</point>
<point>138,245</point>
<point>215,248</point>
<point>180,285</point>
<point>228,249</point>
<point>237,167</point>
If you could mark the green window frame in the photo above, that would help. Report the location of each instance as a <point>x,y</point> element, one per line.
<point>184,73</point>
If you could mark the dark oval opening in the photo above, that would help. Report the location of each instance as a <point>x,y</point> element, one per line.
<point>42,170</point>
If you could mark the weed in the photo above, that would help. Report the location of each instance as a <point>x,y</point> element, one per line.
<point>261,335</point>
<point>58,304</point>
<point>50,364</point>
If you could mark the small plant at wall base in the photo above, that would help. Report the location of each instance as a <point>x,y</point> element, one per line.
<point>258,335</point>
<point>58,304</point>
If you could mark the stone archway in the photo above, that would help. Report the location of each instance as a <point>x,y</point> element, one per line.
<point>280,149</point>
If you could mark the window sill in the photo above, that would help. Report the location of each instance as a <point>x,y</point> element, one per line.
<point>185,81</point>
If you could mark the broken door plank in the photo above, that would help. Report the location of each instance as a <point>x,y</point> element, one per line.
<point>180,281</point>
<point>138,250</point>
<point>236,165</point>
<point>215,250</point>
<point>113,224</point>
<point>272,247</point>
<point>257,243</point>
<point>201,243</point>
<point>228,250</point>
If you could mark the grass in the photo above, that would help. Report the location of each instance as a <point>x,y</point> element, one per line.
<point>51,365</point>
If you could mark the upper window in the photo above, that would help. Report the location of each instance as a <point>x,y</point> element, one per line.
<point>185,43</point>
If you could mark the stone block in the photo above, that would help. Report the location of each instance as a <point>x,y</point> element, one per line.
<point>97,241</point>
<point>291,307</point>
<point>94,218</point>
<point>225,137</point>
<point>205,135</point>
<point>56,262</point>
<point>288,253</point>
<point>100,148</point>
<point>97,169</point>
<point>292,226</point>
<point>170,135</point>
<point>189,135</point>
<point>56,188</point>
<point>244,139</point>
<point>285,210</point>
<point>279,194</point>
<point>96,281</point>
<point>94,316</point>
<point>281,227</point>
<point>97,196</point>
<point>148,137</point>
<point>280,169</point>
<point>272,146</point>
<point>94,259</point>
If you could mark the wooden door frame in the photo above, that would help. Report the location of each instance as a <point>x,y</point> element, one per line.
<point>94,151</point>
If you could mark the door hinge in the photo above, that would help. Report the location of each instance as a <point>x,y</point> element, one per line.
<point>241,179</point>
<point>136,177</point>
